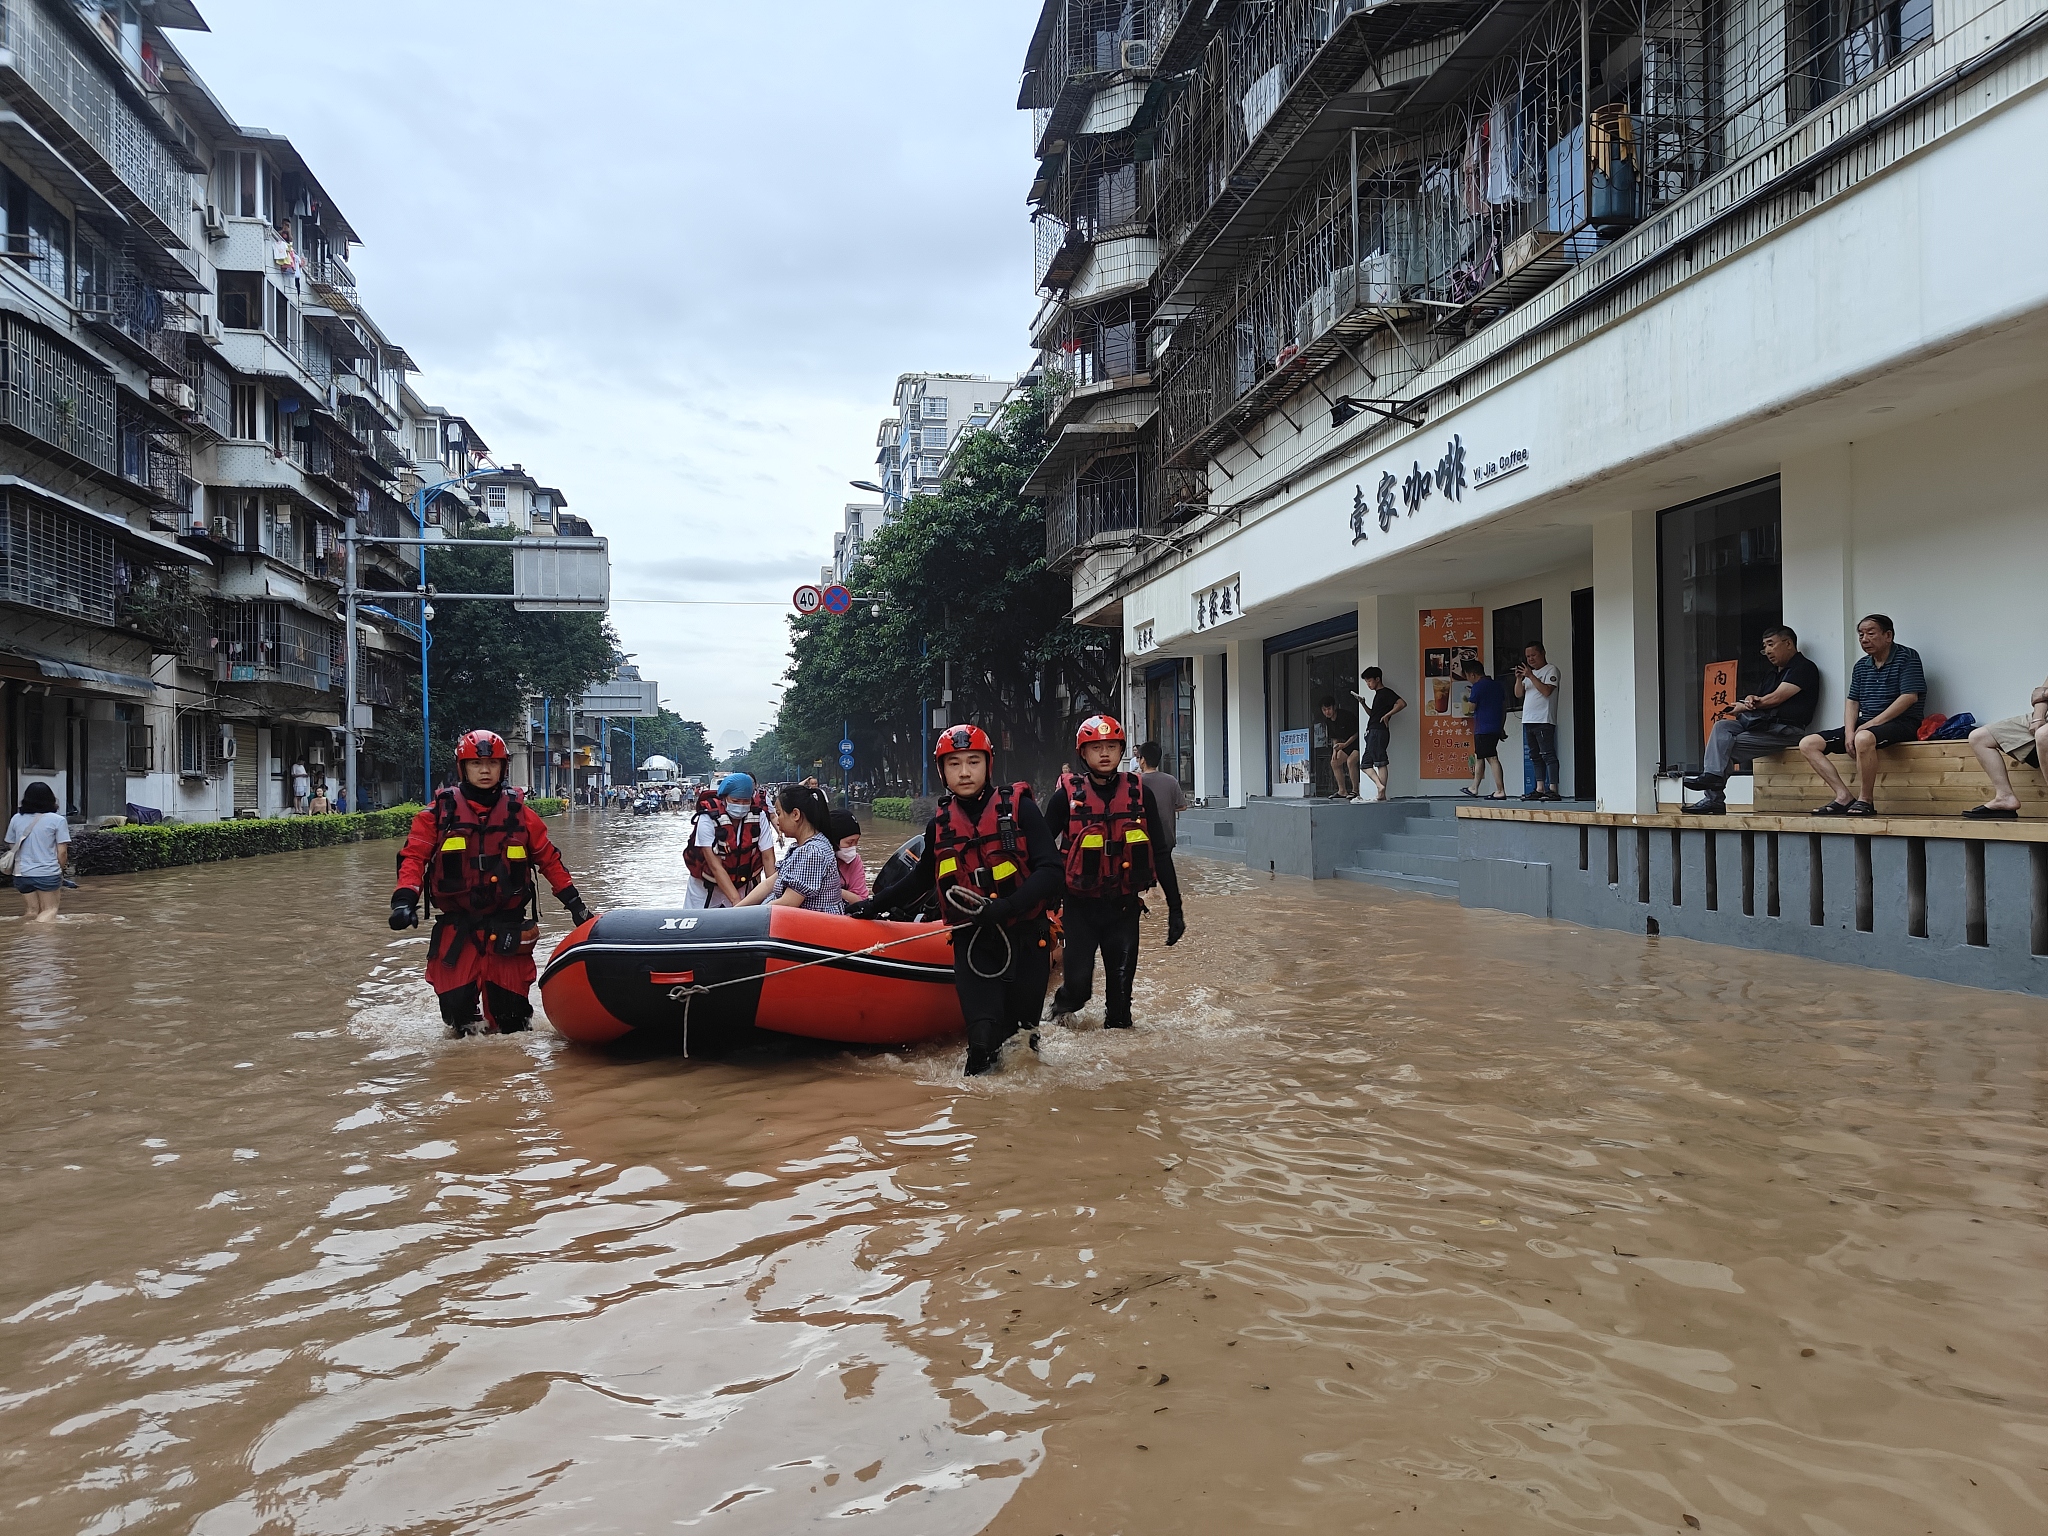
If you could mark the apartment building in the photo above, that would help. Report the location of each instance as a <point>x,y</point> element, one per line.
<point>931,410</point>
<point>1633,329</point>
<point>862,519</point>
<point>195,401</point>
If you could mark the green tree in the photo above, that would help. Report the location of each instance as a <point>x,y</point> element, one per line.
<point>765,759</point>
<point>668,734</point>
<point>965,579</point>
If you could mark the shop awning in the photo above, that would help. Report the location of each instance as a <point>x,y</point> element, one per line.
<point>70,671</point>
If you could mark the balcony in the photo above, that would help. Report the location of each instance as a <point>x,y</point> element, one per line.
<point>58,394</point>
<point>333,283</point>
<point>262,355</point>
<point>75,102</point>
<point>278,644</point>
<point>1082,44</point>
<point>55,561</point>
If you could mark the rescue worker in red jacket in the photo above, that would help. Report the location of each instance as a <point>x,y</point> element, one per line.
<point>1113,849</point>
<point>473,853</point>
<point>989,857</point>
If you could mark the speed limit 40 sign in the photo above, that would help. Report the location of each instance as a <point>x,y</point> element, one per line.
<point>808,599</point>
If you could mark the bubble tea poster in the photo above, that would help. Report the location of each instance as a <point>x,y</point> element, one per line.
<point>1449,637</point>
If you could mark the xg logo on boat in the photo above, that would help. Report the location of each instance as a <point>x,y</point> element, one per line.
<point>677,922</point>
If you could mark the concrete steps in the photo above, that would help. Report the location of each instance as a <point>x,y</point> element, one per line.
<point>1421,857</point>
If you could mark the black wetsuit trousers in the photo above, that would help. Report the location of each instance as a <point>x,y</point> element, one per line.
<point>1108,924</point>
<point>461,1010</point>
<point>996,1007</point>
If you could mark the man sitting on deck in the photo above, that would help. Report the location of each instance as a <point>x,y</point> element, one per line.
<point>1761,722</point>
<point>1885,702</point>
<point>2023,738</point>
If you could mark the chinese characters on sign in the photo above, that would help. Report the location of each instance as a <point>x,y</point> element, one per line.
<point>1446,480</point>
<point>1294,767</point>
<point>1494,469</point>
<point>1449,637</point>
<point>1717,695</point>
<point>1143,638</point>
<point>1219,605</point>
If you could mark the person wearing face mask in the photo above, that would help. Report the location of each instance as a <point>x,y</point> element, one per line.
<point>988,856</point>
<point>472,854</point>
<point>1115,847</point>
<point>732,844</point>
<point>809,874</point>
<point>853,874</point>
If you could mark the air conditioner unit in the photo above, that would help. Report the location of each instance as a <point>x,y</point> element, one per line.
<point>227,743</point>
<point>182,396</point>
<point>1137,55</point>
<point>216,226</point>
<point>209,328</point>
<point>224,530</point>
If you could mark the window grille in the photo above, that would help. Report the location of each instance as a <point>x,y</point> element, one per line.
<point>935,408</point>
<point>56,394</point>
<point>272,643</point>
<point>55,560</point>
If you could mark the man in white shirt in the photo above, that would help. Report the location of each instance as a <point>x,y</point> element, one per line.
<point>1536,685</point>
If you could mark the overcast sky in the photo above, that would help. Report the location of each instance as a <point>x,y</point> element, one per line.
<point>670,257</point>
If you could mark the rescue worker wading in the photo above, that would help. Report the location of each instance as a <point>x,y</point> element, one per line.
<point>473,852</point>
<point>1113,850</point>
<point>732,844</point>
<point>988,839</point>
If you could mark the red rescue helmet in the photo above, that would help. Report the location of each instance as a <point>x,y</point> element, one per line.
<point>482,746</point>
<point>963,738</point>
<point>1098,728</point>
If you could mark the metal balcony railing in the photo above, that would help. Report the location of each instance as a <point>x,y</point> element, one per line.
<point>57,393</point>
<point>55,560</point>
<point>1106,500</point>
<point>1101,343</point>
<point>82,94</point>
<point>265,642</point>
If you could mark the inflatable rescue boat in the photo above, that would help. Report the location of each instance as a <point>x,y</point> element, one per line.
<point>702,980</point>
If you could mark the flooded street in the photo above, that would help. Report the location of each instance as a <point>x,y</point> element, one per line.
<point>1388,1217</point>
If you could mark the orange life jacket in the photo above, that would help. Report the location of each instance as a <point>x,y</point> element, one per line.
<point>985,853</point>
<point>481,866</point>
<point>1108,850</point>
<point>738,846</point>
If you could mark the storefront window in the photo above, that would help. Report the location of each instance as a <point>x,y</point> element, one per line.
<point>1720,586</point>
<point>1170,718</point>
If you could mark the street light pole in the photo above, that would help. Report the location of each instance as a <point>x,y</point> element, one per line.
<point>348,665</point>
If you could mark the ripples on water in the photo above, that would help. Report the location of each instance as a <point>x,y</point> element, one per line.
<point>1389,1217</point>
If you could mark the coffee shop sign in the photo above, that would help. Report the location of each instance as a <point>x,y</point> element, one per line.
<point>1219,605</point>
<point>1396,495</point>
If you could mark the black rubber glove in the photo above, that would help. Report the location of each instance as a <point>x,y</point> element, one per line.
<point>867,910</point>
<point>1176,926</point>
<point>998,912</point>
<point>405,909</point>
<point>572,899</point>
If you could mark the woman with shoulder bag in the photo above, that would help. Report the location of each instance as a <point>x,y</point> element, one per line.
<point>38,852</point>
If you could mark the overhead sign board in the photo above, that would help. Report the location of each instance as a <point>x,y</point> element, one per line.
<point>561,575</point>
<point>808,599</point>
<point>621,696</point>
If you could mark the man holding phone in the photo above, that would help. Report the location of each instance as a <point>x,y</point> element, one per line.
<point>1536,685</point>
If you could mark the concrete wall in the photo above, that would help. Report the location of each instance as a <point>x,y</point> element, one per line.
<point>1951,909</point>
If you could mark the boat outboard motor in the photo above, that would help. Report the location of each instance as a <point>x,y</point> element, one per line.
<point>895,867</point>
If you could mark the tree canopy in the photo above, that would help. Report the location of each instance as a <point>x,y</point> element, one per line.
<point>668,734</point>
<point>960,576</point>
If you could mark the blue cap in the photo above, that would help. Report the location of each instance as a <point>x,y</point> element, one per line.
<point>736,786</point>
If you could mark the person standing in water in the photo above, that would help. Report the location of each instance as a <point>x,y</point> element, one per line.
<point>989,856</point>
<point>41,840</point>
<point>472,854</point>
<point>1117,845</point>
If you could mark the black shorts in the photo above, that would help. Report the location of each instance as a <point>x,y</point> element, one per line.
<point>1377,740</point>
<point>1486,744</point>
<point>1890,734</point>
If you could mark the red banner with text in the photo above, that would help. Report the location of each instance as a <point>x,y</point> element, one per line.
<point>1449,636</point>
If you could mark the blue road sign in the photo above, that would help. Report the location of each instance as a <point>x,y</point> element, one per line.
<point>846,759</point>
<point>845,744</point>
<point>837,599</point>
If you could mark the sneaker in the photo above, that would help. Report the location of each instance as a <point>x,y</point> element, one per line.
<point>1711,805</point>
<point>1116,1024</point>
<point>1832,808</point>
<point>1704,781</point>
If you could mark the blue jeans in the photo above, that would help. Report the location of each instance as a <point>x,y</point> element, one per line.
<point>1542,740</point>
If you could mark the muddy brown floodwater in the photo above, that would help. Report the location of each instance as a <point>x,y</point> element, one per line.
<point>1389,1217</point>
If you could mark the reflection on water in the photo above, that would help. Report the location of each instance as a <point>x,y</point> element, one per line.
<point>1389,1216</point>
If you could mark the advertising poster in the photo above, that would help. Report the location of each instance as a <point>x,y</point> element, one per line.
<point>1448,637</point>
<point>1294,767</point>
<point>1717,695</point>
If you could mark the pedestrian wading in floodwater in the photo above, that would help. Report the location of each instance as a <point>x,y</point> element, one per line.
<point>992,861</point>
<point>472,854</point>
<point>1115,845</point>
<point>40,841</point>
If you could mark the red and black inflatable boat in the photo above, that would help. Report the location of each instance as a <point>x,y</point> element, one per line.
<point>633,975</point>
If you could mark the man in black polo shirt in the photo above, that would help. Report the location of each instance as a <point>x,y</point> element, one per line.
<point>1770,721</point>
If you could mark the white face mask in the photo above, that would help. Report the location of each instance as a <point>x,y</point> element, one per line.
<point>848,854</point>
<point>739,808</point>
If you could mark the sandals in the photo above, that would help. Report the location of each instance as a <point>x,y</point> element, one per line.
<point>1853,808</point>
<point>1990,813</point>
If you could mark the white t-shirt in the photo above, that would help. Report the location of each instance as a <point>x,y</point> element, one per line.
<point>703,893</point>
<point>1538,707</point>
<point>39,836</point>
<point>301,782</point>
